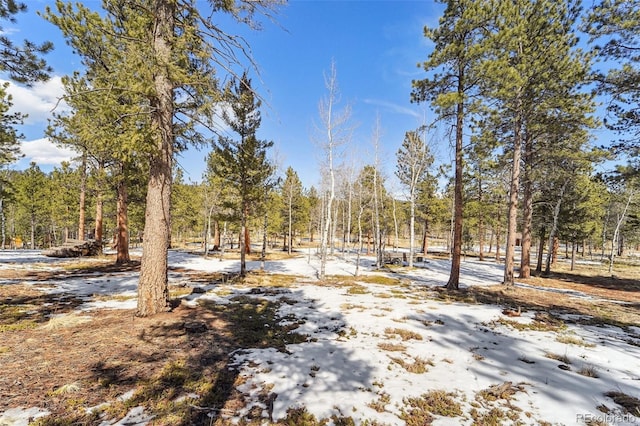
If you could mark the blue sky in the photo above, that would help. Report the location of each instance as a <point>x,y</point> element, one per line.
<point>376,46</point>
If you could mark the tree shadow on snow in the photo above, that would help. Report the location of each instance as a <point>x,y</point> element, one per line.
<point>206,354</point>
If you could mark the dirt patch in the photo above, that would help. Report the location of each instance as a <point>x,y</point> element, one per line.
<point>70,368</point>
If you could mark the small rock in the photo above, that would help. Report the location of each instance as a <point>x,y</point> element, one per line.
<point>198,290</point>
<point>564,367</point>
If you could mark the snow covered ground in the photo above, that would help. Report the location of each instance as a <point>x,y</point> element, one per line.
<point>365,348</point>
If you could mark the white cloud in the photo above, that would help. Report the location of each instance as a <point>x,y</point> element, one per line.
<point>44,152</point>
<point>37,101</point>
<point>393,107</point>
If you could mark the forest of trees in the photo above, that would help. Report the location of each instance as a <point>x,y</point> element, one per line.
<point>510,78</point>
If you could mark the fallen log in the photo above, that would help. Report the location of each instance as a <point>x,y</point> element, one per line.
<point>75,248</point>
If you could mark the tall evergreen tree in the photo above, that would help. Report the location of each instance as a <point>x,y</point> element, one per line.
<point>172,50</point>
<point>243,162</point>
<point>451,89</point>
<point>530,65</point>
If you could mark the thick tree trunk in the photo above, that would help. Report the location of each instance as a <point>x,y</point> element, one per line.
<point>153,293</point>
<point>512,215</point>
<point>122,232</point>
<point>97,234</point>
<point>527,214</point>
<point>216,234</point>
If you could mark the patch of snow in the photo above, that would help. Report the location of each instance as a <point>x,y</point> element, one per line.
<point>21,416</point>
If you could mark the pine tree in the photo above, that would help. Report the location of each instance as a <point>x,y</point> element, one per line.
<point>23,63</point>
<point>615,26</point>
<point>243,162</point>
<point>454,58</point>
<point>530,69</point>
<point>171,50</point>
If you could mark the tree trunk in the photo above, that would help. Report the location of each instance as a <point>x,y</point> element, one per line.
<point>527,214</point>
<point>498,236</point>
<point>425,238</point>
<point>553,241</point>
<point>395,225</point>
<point>247,235</point>
<point>290,206</point>
<point>33,231</point>
<point>480,217</point>
<point>454,276</point>
<point>540,250</point>
<point>412,225</point>
<point>153,292</point>
<point>512,215</point>
<point>216,234</point>
<point>243,254</point>
<point>2,224</point>
<point>83,194</point>
<point>97,234</point>
<point>122,233</point>
<point>573,255</point>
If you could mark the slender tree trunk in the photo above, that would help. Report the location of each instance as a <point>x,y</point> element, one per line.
<point>2,224</point>
<point>616,232</point>
<point>395,225</point>
<point>425,238</point>
<point>540,250</point>
<point>512,215</point>
<point>527,214</point>
<point>360,212</point>
<point>247,236</point>
<point>83,195</point>
<point>290,219</point>
<point>554,229</point>
<point>498,237</point>
<point>243,251</point>
<point>412,225</point>
<point>33,231</point>
<point>454,276</point>
<point>480,217</point>
<point>265,225</point>
<point>122,233</point>
<point>573,255</point>
<point>153,292</point>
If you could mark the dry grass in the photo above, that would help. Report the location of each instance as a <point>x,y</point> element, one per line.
<point>589,371</point>
<point>630,403</point>
<point>392,347</point>
<point>562,358</point>
<point>404,334</point>
<point>418,366</point>
<point>570,339</point>
<point>419,411</point>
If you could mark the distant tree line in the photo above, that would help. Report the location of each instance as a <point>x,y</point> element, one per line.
<point>158,76</point>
